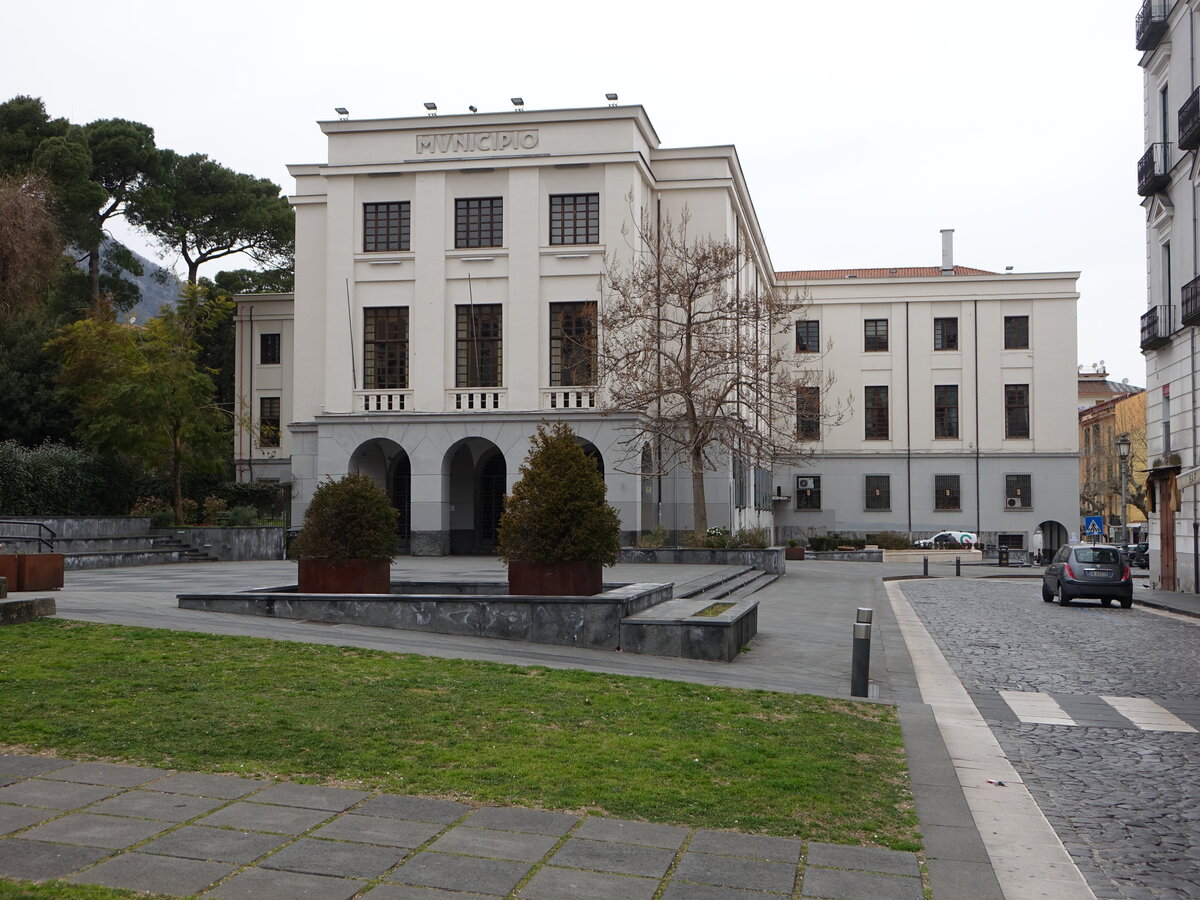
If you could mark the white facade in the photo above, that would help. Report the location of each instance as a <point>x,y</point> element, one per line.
<point>960,406</point>
<point>1168,175</point>
<point>442,416</point>
<point>444,421</point>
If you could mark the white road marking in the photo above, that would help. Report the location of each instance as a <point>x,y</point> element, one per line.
<point>1147,715</point>
<point>1036,708</point>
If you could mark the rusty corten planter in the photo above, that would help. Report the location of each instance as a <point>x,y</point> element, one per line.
<point>793,552</point>
<point>39,571</point>
<point>344,576</point>
<point>564,579</point>
<point>8,570</point>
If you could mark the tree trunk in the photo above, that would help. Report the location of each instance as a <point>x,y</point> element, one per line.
<point>699,509</point>
<point>177,479</point>
<point>93,274</point>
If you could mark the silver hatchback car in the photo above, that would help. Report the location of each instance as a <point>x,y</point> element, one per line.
<point>1091,571</point>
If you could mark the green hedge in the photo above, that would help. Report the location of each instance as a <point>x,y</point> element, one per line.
<point>57,480</point>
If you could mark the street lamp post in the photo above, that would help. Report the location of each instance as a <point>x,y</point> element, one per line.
<point>1123,445</point>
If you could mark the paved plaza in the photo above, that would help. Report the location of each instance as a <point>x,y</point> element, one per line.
<point>183,833</point>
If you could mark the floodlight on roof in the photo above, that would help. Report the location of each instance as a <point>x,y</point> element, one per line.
<point>432,107</point>
<point>518,102</point>
<point>342,111</point>
<point>611,98</point>
<point>473,109</point>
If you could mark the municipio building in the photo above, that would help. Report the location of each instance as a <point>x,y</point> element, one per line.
<point>448,285</point>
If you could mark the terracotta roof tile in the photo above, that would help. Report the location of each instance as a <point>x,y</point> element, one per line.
<point>909,272</point>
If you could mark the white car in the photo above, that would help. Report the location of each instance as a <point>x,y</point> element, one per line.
<point>965,538</point>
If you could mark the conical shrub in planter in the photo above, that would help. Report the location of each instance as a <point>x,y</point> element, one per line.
<point>557,531</point>
<point>348,540</point>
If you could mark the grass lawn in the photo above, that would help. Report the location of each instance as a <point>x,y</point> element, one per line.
<point>60,890</point>
<point>819,769</point>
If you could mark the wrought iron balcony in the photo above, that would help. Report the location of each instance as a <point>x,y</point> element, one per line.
<point>1153,174</point>
<point>1156,327</point>
<point>1151,23</point>
<point>1190,304</point>
<point>1189,122</point>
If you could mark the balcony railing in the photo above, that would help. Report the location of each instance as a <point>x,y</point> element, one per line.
<point>1189,122</point>
<point>1153,174</point>
<point>574,398</point>
<point>1151,23</point>
<point>1190,304</point>
<point>477,398</point>
<point>1156,327</point>
<point>382,401</point>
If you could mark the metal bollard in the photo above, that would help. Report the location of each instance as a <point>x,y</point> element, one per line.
<point>860,661</point>
<point>926,572</point>
<point>958,565</point>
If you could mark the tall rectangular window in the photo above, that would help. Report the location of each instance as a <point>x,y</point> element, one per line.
<point>946,493</point>
<point>1016,332</point>
<point>268,421</point>
<point>875,335</point>
<point>1018,491</point>
<point>808,413</point>
<point>945,410</point>
<point>385,348</point>
<point>385,226</point>
<point>808,337</point>
<point>1016,410</point>
<point>479,222</point>
<point>268,349</point>
<point>878,492</point>
<point>574,219</point>
<point>875,406</point>
<point>478,345</point>
<point>573,344</point>
<point>808,492</point>
<point>945,334</point>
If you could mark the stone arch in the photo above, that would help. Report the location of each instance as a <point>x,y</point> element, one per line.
<point>1053,535</point>
<point>474,480</point>
<point>387,464</point>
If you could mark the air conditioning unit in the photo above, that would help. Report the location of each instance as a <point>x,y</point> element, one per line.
<point>1013,502</point>
<point>805,484</point>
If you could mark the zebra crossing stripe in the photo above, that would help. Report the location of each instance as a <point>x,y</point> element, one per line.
<point>1036,708</point>
<point>1147,715</point>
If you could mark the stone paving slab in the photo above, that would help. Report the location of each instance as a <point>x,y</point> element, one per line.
<point>732,871</point>
<point>683,891</point>
<point>419,809</point>
<point>14,818</point>
<point>226,787</point>
<point>28,766</point>
<point>310,796</point>
<point>154,805</point>
<point>648,834</point>
<point>840,884</point>
<point>54,794</point>
<point>316,857</point>
<point>106,774</point>
<point>36,860</point>
<point>516,846</point>
<point>265,817</point>
<point>216,844</point>
<point>752,846</point>
<point>375,830</point>
<point>531,821</point>
<point>89,830</point>
<point>158,874</point>
<point>567,884</point>
<point>870,859</point>
<point>604,856</point>
<point>461,873</point>
<point>407,892</point>
<point>260,884</point>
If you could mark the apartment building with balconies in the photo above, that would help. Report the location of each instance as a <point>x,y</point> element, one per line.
<point>1167,175</point>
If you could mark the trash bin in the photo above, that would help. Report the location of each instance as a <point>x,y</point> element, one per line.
<point>1003,552</point>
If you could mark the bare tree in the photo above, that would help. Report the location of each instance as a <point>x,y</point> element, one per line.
<point>688,341</point>
<point>30,245</point>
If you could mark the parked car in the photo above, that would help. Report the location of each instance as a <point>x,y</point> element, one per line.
<point>1138,555</point>
<point>1091,571</point>
<point>959,538</point>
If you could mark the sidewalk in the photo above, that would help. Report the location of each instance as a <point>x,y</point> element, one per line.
<point>225,837</point>
<point>171,832</point>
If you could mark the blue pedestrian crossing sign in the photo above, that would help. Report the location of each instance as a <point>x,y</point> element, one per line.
<point>1093,526</point>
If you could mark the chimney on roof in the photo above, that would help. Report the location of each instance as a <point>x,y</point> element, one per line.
<point>947,251</point>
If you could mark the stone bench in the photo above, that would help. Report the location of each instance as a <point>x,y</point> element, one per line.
<point>14,611</point>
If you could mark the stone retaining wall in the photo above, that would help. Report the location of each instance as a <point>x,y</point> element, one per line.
<point>769,559</point>
<point>230,544</point>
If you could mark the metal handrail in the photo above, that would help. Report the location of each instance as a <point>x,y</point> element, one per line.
<point>49,542</point>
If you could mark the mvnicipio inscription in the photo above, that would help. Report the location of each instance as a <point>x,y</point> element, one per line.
<point>454,142</point>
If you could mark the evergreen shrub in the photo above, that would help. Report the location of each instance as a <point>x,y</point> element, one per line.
<point>351,518</point>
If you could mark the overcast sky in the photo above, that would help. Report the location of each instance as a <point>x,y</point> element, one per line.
<point>863,128</point>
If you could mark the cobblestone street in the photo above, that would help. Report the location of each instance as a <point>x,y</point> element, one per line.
<point>1098,709</point>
